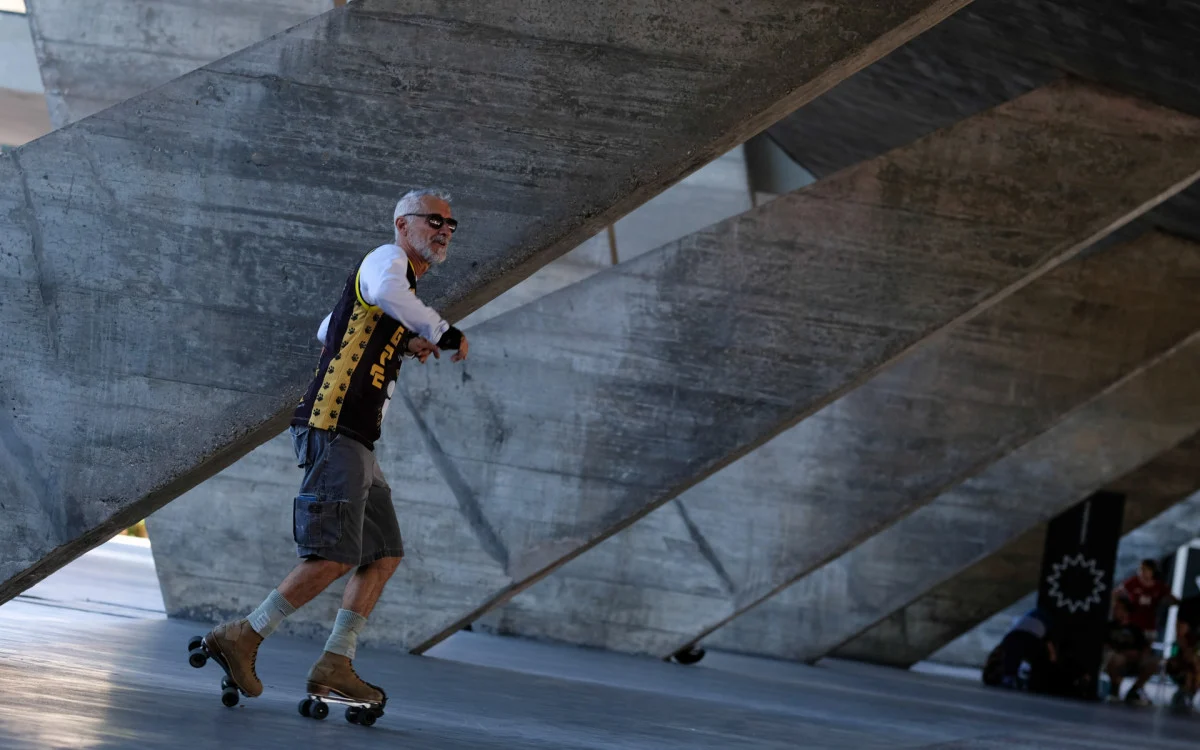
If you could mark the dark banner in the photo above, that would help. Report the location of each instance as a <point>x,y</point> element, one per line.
<point>1189,608</point>
<point>1076,588</point>
<point>1191,573</point>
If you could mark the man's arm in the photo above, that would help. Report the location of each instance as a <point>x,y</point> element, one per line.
<point>384,283</point>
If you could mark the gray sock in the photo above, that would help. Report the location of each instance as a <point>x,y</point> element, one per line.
<point>270,613</point>
<point>344,637</point>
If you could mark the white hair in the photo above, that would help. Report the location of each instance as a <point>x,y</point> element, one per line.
<point>410,203</point>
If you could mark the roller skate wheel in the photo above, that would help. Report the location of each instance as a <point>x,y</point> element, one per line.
<point>353,713</point>
<point>318,710</point>
<point>197,659</point>
<point>229,697</point>
<point>195,643</point>
<point>368,718</point>
<point>304,707</point>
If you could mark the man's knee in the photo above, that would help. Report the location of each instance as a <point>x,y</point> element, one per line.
<point>1117,663</point>
<point>385,566</point>
<point>331,569</point>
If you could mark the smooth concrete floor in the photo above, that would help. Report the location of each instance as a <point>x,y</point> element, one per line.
<point>88,660</point>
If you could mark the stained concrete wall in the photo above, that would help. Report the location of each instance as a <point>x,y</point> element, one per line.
<point>992,51</point>
<point>1115,433</point>
<point>1157,519</point>
<point>880,452</point>
<point>581,412</point>
<point>154,251</point>
<point>97,53</point>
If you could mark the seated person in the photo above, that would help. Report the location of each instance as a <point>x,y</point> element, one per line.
<point>1184,665</point>
<point>1127,653</point>
<point>1027,641</point>
<point>1144,592</point>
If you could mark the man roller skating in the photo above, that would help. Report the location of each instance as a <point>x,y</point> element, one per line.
<point>343,517</point>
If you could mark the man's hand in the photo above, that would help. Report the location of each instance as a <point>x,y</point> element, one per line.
<point>421,348</point>
<point>462,351</point>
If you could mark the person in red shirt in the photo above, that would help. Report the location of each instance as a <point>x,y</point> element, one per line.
<point>1143,593</point>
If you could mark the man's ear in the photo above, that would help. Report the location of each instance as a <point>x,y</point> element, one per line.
<point>399,223</point>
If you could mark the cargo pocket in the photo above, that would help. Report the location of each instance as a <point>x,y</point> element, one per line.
<point>317,521</point>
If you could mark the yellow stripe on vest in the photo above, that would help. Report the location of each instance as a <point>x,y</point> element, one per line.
<point>328,403</point>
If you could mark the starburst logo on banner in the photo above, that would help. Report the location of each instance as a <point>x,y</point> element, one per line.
<point>1078,573</point>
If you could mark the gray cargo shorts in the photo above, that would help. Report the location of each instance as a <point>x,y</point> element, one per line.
<point>344,510</point>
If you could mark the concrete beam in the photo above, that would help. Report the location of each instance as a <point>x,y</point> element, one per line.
<point>1157,519</point>
<point>582,412</point>
<point>995,50</point>
<point>1151,411</point>
<point>122,48</point>
<point>165,261</point>
<point>797,504</point>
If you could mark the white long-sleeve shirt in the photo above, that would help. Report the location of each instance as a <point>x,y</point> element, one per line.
<point>383,281</point>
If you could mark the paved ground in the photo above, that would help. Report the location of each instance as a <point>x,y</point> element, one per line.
<point>87,660</point>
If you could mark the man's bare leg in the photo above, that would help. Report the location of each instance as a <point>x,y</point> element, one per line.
<point>358,601</point>
<point>333,673</point>
<point>366,585</point>
<point>235,644</point>
<point>310,578</point>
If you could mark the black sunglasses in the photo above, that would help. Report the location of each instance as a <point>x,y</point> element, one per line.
<point>437,220</point>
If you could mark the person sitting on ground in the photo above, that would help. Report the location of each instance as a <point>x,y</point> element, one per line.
<point>1184,665</point>
<point>1028,641</point>
<point>1127,653</point>
<point>1145,593</point>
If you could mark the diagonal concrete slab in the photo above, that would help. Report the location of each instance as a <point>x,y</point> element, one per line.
<point>582,412</point>
<point>118,49</point>
<point>879,453</point>
<point>156,250</point>
<point>1150,412</point>
<point>1155,510</point>
<point>995,50</point>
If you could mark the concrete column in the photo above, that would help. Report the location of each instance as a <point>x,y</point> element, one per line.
<point>1149,412</point>
<point>582,412</point>
<point>1162,511</point>
<point>165,261</point>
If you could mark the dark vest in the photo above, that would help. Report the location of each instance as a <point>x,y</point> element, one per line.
<point>358,368</point>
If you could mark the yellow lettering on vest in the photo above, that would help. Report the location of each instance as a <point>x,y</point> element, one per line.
<point>377,376</point>
<point>396,336</point>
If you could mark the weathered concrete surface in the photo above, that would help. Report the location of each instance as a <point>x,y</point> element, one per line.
<point>995,50</point>
<point>1151,411</point>
<point>153,253</point>
<point>581,412</point>
<point>715,192</point>
<point>97,53</point>
<point>877,454</point>
<point>963,602</point>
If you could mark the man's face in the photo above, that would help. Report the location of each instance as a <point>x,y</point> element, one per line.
<point>1146,575</point>
<point>430,242</point>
